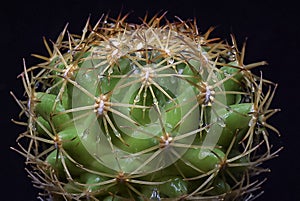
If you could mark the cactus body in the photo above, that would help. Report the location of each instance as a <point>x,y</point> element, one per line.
<point>145,112</point>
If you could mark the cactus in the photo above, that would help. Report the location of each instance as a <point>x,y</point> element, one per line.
<point>146,111</point>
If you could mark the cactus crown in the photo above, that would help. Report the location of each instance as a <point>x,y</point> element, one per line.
<point>145,112</point>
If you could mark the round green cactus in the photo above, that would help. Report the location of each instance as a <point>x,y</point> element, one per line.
<point>145,112</point>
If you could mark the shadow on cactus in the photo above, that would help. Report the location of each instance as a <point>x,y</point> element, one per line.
<point>145,112</point>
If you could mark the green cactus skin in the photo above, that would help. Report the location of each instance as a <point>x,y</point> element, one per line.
<point>145,112</point>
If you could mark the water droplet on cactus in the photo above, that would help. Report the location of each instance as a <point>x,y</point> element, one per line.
<point>180,71</point>
<point>171,61</point>
<point>155,195</point>
<point>137,98</point>
<point>221,122</point>
<point>110,70</point>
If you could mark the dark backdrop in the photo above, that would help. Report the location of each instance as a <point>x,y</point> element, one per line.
<point>273,35</point>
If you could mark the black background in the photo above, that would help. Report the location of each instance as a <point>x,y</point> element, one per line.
<point>272,33</point>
